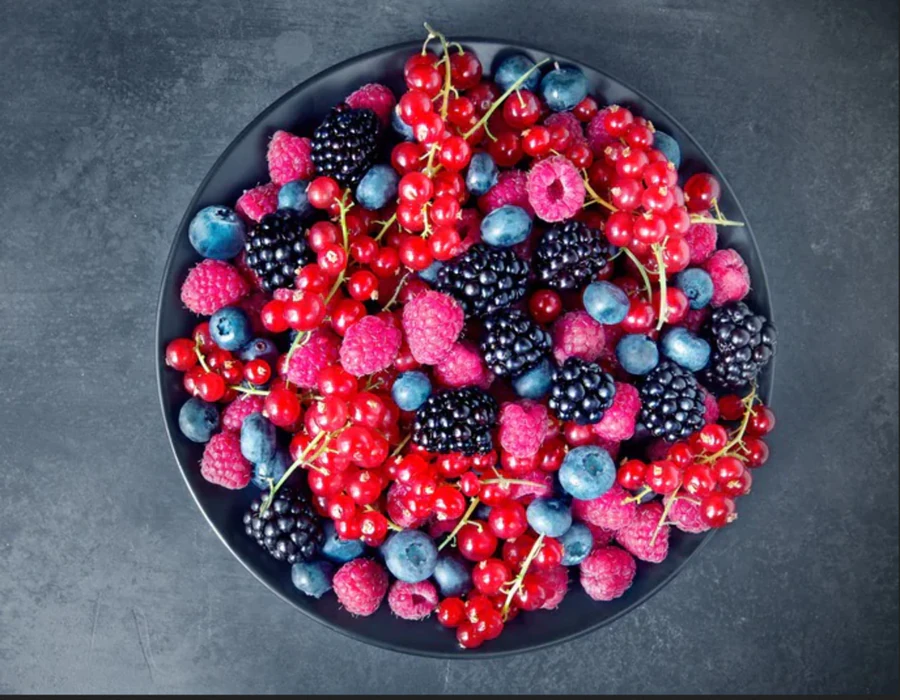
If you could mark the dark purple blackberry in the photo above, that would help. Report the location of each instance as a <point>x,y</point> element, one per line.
<point>346,144</point>
<point>276,247</point>
<point>458,420</point>
<point>672,404</point>
<point>570,256</point>
<point>484,279</point>
<point>580,391</point>
<point>289,529</point>
<point>743,343</point>
<point>512,343</point>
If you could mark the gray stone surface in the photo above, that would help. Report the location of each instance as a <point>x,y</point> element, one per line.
<point>112,111</point>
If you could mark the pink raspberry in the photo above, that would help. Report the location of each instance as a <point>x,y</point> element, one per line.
<point>413,601</point>
<point>597,136</point>
<point>432,322</point>
<point>555,583</point>
<point>523,426</point>
<point>240,408</point>
<point>289,158</point>
<point>370,345</point>
<point>376,97</point>
<point>223,464</point>
<point>397,511</point>
<point>540,485</point>
<point>360,586</point>
<point>317,353</point>
<point>611,335</point>
<point>607,573</point>
<point>555,189</point>
<point>637,536</point>
<point>511,188</point>
<point>576,334</point>
<point>695,319</point>
<point>463,366</point>
<point>610,511</point>
<point>620,419</point>
<point>686,516</point>
<point>602,536</point>
<point>570,123</point>
<point>256,203</point>
<point>712,407</point>
<point>701,239</point>
<point>211,285</point>
<point>610,446</point>
<point>731,279</point>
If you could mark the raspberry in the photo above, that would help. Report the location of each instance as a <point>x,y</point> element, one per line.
<point>397,511</point>
<point>555,189</point>
<point>555,583</point>
<point>685,515</point>
<point>598,137</point>
<point>695,319</point>
<point>463,366</point>
<point>523,426</point>
<point>731,279</point>
<point>360,586</point>
<point>289,158</point>
<point>610,446</point>
<point>432,323</point>
<point>370,345</point>
<point>413,601</point>
<point>319,351</point>
<point>701,239</point>
<point>602,536</point>
<point>637,536</point>
<point>240,408</point>
<point>620,420</point>
<point>712,408</point>
<point>540,485</point>
<point>376,97</point>
<point>610,511</point>
<point>570,123</point>
<point>607,573</point>
<point>576,334</point>
<point>212,284</point>
<point>510,189</point>
<point>223,464</point>
<point>256,203</point>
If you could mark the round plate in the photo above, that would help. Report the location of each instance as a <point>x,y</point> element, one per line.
<point>243,165</point>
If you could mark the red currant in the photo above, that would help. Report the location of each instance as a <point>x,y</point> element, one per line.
<point>323,192</point>
<point>521,110</point>
<point>334,380</point>
<point>727,469</point>
<point>406,157</point>
<point>698,480</point>
<point>475,541</point>
<point>490,575</point>
<point>762,421</point>
<point>616,120</point>
<point>718,510</point>
<point>180,354</point>
<point>731,407</point>
<point>641,317</point>
<point>700,191</point>
<point>210,386</point>
<point>373,528</point>
<point>257,372</point>
<point>585,110</point>
<point>545,306</point>
<point>713,437</point>
<point>455,153</point>
<point>304,311</point>
<point>282,407</point>
<point>663,477</point>
<point>465,70</point>
<point>757,452</point>
<point>429,129</point>
<point>449,503</point>
<point>507,520</point>
<point>506,150</point>
<point>639,136</point>
<point>626,193</point>
<point>451,612</point>
<point>536,141</point>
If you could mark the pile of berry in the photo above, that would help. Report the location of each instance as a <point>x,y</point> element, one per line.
<point>465,341</point>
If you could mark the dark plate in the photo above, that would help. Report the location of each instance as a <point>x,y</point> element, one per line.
<point>242,166</point>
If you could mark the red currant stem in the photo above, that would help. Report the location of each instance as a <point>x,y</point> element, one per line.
<point>345,233</point>
<point>642,270</point>
<point>298,342</point>
<point>594,196</point>
<point>430,168</point>
<point>719,219</point>
<point>665,514</point>
<point>738,438</point>
<point>459,47</point>
<point>200,356</point>
<point>435,34</point>
<point>396,294</point>
<point>385,226</point>
<point>253,392</point>
<point>639,495</point>
<point>399,448</point>
<point>663,301</point>
<point>517,583</point>
<point>519,482</point>
<point>692,501</point>
<point>499,101</point>
<point>390,523</point>
<point>290,470</point>
<point>521,99</point>
<point>462,521</point>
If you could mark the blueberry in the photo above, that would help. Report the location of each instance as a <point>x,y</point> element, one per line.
<point>217,232</point>
<point>669,147</point>
<point>430,273</point>
<point>404,130</point>
<point>577,543</point>
<point>312,577</point>
<point>410,555</point>
<point>549,516</point>
<point>535,383</point>
<point>377,187</point>
<point>292,195</point>
<point>637,354</point>
<point>513,68</point>
<point>482,174</point>
<point>271,470</point>
<point>410,390</point>
<point>338,550</point>
<point>685,348</point>
<point>563,88</point>
<point>587,472</point>
<point>606,303</point>
<point>506,226</point>
<point>482,511</point>
<point>229,328</point>
<point>198,420</point>
<point>452,576</point>
<point>257,438</point>
<point>259,349</point>
<point>697,286</point>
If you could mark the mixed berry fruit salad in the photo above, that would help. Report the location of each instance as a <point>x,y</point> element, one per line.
<point>473,345</point>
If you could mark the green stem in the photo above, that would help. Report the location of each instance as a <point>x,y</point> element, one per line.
<point>396,294</point>
<point>642,270</point>
<point>290,470</point>
<point>739,435</point>
<point>517,584</point>
<point>596,197</point>
<point>661,271</point>
<point>252,392</point>
<point>465,518</point>
<point>385,226</point>
<point>499,101</point>
<point>447,72</point>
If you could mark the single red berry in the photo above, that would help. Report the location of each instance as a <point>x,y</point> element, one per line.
<point>549,555</point>
<point>494,493</point>
<point>468,637</point>
<point>406,157</point>
<point>368,409</point>
<point>522,109</point>
<point>415,253</point>
<point>490,575</point>
<point>639,136</point>
<point>257,372</point>
<point>484,460</point>
<point>757,452</point>
<point>455,153</point>
<point>626,193</point>
<point>321,234</point>
<point>762,421</point>
<point>660,174</point>
<point>586,109</point>
<point>449,503</point>
<point>386,263</point>
<point>460,111</point>
<point>323,192</point>
<point>620,228</point>
<point>180,354</point>
<point>676,254</point>
<point>658,198</point>
<point>349,528</point>
<point>531,595</point>
<point>545,306</point>
<point>663,477</point>
<point>631,163</point>
<point>718,510</point>
<point>727,469</point>
<point>209,386</point>
<point>418,59</point>
<point>649,228</point>
<point>475,541</point>
<point>616,120</point>
<point>429,129</point>
<point>414,105</point>
<point>515,551</point>
<point>304,311</point>
<point>282,407</point>
<point>551,455</point>
<point>202,337</point>
<point>731,407</point>
<point>506,150</point>
<point>465,70</point>
<point>334,380</point>
<point>514,465</point>
<point>444,242</point>
<point>631,474</point>
<point>713,437</point>
<point>560,138</point>
<point>581,155</point>
<point>425,78</point>
<point>641,316</point>
<point>332,259</point>
<point>447,183</point>
<point>451,612</point>
<point>536,141</point>
<point>490,626</point>
<point>700,191</point>
<point>444,210</point>
<point>373,528</point>
<point>470,484</point>
<point>677,305</point>
<point>362,285</point>
<point>576,434</point>
<point>738,487</point>
<point>507,520</point>
<point>698,480</point>
<point>681,455</point>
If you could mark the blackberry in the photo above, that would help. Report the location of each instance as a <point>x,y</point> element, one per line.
<point>289,530</point>
<point>346,144</point>
<point>484,279</point>
<point>672,405</point>
<point>580,391</point>
<point>742,345</point>
<point>276,247</point>
<point>458,420</point>
<point>570,256</point>
<point>513,343</point>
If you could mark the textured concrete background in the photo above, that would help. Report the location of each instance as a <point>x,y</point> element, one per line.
<point>111,112</point>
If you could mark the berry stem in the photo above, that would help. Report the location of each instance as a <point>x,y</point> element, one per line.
<point>718,220</point>
<point>642,270</point>
<point>345,233</point>
<point>594,196</point>
<point>739,434</point>
<point>499,101</point>
<point>200,358</point>
<point>290,470</point>
<point>462,521</point>
<point>298,342</point>
<point>646,491</point>
<point>252,392</point>
<point>665,514</point>
<point>519,482</point>
<point>399,448</point>
<point>435,34</point>
<point>661,270</point>
<point>517,583</point>
<point>396,294</point>
<point>385,226</point>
